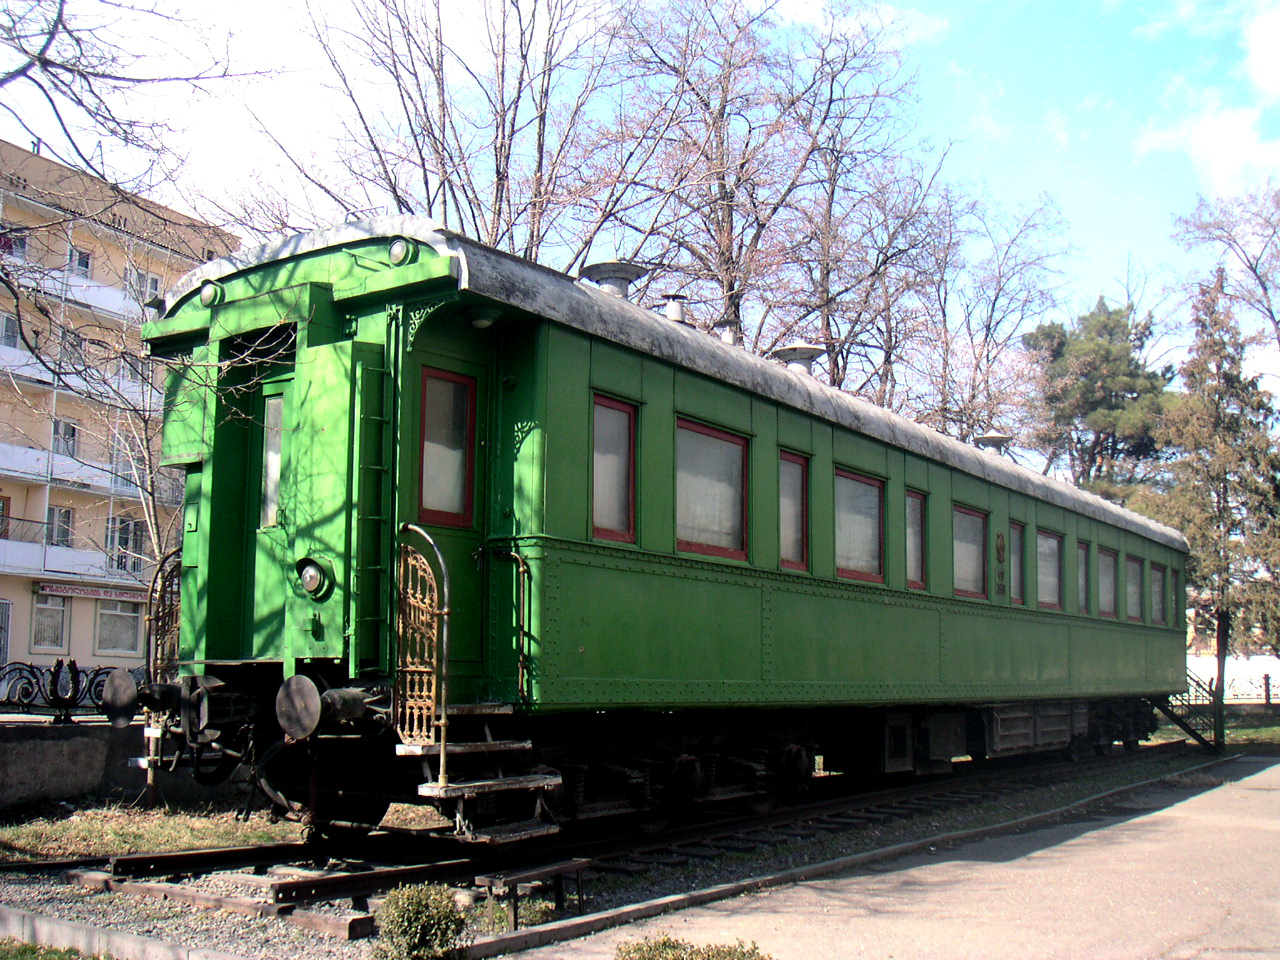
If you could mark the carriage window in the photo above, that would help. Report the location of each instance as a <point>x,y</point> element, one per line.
<point>859,527</point>
<point>272,441</point>
<point>1049,570</point>
<point>448,439</point>
<point>793,510</point>
<point>1082,577</point>
<point>1017,569</point>
<point>613,491</point>
<point>711,502</point>
<point>1106,583</point>
<point>969,552</point>
<point>1133,588</point>
<point>915,540</point>
<point>1158,614</point>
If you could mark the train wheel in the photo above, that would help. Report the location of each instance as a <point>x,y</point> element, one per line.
<point>1131,745</point>
<point>339,787</point>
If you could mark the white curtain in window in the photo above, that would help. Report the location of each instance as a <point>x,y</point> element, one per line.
<point>857,525</point>
<point>915,539</point>
<point>118,623</point>
<point>1133,587</point>
<point>611,470</point>
<point>969,551</point>
<point>791,510</point>
<point>1048,569</point>
<point>444,442</point>
<point>708,490</point>
<point>1107,584</point>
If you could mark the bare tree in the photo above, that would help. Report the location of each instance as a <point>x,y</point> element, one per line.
<point>991,283</point>
<point>757,117</point>
<point>1245,232</point>
<point>70,72</point>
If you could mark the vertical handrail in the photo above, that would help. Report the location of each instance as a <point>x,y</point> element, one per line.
<point>440,679</point>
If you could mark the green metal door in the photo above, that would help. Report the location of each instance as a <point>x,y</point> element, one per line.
<point>451,485</point>
<point>270,507</point>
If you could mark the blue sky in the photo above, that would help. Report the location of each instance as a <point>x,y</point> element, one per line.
<point>1122,112</point>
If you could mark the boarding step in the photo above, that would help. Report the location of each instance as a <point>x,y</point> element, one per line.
<point>477,746</point>
<point>474,788</point>
<point>511,832</point>
<point>479,709</point>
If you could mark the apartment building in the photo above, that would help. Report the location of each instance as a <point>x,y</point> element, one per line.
<point>84,508</point>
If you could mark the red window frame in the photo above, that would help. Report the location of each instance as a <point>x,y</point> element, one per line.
<point>986,535</point>
<point>803,463</point>
<point>1018,534</point>
<point>1163,620</point>
<point>1115,583</point>
<point>924,539</point>
<point>605,533</point>
<point>1142,587</point>
<point>846,572</point>
<point>1058,539</point>
<point>711,549</point>
<point>447,518</point>
<point>1082,602</point>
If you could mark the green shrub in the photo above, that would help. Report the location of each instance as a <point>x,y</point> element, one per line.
<point>420,921</point>
<point>668,948</point>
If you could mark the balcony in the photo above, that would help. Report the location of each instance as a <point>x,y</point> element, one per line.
<point>23,551</point>
<point>114,389</point>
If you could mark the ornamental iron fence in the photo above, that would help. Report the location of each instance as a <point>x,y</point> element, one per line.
<point>61,690</point>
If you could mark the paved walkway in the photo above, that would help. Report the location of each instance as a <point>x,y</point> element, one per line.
<point>1176,873</point>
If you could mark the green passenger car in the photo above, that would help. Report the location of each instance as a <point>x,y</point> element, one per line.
<point>674,570</point>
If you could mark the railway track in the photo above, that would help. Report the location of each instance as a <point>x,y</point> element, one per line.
<point>334,893</point>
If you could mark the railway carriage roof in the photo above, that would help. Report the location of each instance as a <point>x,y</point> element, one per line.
<point>548,293</point>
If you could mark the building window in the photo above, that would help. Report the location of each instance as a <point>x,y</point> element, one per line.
<point>58,528</point>
<point>1049,570</point>
<point>79,262</point>
<point>1107,583</point>
<point>1133,588</point>
<point>1017,565</point>
<point>70,346</point>
<point>915,540</point>
<point>859,527</point>
<point>125,544</point>
<point>711,491</point>
<point>1082,577</point>
<point>969,552</point>
<point>793,510</point>
<point>49,622</point>
<point>119,626</point>
<point>613,470</point>
<point>143,286</point>
<point>13,241</point>
<point>10,336</point>
<point>65,438</point>
<point>1158,613</point>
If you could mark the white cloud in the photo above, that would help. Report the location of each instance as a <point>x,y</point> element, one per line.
<point>1224,144</point>
<point>914,28</point>
<point>1261,40</point>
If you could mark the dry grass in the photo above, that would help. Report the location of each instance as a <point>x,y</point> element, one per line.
<point>58,831</point>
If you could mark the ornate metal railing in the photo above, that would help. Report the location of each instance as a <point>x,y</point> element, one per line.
<point>61,690</point>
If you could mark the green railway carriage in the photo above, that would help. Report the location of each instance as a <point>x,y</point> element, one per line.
<point>542,553</point>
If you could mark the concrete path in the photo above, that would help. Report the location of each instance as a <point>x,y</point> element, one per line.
<point>1179,873</point>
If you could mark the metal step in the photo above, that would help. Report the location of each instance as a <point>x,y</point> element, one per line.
<point>477,746</point>
<point>473,788</point>
<point>511,832</point>
<point>478,709</point>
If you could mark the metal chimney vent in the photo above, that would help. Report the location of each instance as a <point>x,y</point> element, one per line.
<point>614,276</point>
<point>799,356</point>
<point>675,307</point>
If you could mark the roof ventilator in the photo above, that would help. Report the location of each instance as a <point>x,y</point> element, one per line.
<point>799,356</point>
<point>728,330</point>
<point>675,308</point>
<point>614,277</point>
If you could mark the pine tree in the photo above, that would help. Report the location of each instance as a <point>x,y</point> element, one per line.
<point>1222,485</point>
<point>1099,400</point>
